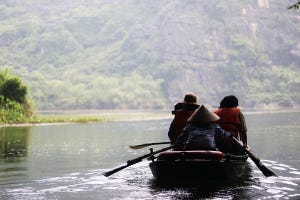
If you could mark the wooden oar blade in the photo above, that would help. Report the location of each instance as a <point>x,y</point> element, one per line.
<point>140,146</point>
<point>266,171</point>
<point>111,172</point>
<point>136,160</point>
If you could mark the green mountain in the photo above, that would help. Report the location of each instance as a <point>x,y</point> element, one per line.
<point>129,54</point>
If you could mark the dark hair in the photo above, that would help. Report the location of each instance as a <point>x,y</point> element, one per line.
<point>229,102</point>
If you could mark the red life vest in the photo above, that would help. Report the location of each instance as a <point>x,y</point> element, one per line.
<point>178,123</point>
<point>229,120</point>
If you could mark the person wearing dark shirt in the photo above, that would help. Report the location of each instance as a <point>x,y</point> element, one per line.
<point>182,111</point>
<point>200,132</point>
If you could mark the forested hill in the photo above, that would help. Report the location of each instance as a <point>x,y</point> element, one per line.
<point>131,54</point>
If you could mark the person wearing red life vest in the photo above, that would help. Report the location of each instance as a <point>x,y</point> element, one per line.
<point>182,112</point>
<point>233,121</point>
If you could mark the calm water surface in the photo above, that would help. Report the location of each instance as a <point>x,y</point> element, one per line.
<point>67,162</point>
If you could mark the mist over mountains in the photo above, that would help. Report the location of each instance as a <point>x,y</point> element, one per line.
<point>102,54</point>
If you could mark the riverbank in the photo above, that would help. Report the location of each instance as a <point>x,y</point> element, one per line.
<point>83,116</point>
<point>44,118</point>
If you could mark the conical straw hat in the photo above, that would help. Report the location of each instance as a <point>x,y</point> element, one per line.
<point>203,115</point>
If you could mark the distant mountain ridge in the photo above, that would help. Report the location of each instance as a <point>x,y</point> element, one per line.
<point>147,54</point>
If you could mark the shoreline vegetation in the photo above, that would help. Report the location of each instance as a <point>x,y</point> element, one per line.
<point>17,109</point>
<point>87,116</point>
<point>69,117</point>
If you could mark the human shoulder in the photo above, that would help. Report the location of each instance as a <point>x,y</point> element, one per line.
<point>191,106</point>
<point>178,106</point>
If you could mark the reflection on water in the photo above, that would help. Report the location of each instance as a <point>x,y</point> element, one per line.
<point>13,149</point>
<point>67,162</point>
<point>13,142</point>
<point>285,186</point>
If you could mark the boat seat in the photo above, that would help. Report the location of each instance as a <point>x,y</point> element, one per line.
<point>195,154</point>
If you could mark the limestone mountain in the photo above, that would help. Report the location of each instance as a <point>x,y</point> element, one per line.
<point>132,54</point>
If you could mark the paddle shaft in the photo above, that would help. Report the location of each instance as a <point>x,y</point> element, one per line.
<point>135,160</point>
<point>147,144</point>
<point>267,172</point>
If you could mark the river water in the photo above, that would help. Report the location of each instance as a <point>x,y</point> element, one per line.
<point>67,162</point>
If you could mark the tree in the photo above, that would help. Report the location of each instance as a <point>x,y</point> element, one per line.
<point>295,6</point>
<point>13,89</point>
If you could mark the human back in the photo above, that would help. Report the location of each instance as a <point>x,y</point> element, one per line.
<point>232,120</point>
<point>182,112</point>
<point>229,119</point>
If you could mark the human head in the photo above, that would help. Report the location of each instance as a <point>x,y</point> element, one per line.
<point>229,101</point>
<point>190,99</point>
<point>203,116</point>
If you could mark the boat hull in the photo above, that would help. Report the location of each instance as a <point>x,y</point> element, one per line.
<point>183,167</point>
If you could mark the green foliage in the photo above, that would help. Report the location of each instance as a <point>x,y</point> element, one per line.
<point>143,55</point>
<point>278,85</point>
<point>13,90</point>
<point>11,111</point>
<point>14,104</point>
<point>295,6</point>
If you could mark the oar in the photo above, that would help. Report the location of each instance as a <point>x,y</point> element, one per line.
<point>139,146</point>
<point>267,172</point>
<point>135,160</point>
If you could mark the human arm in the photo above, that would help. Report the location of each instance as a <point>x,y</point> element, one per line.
<point>181,140</point>
<point>223,134</point>
<point>242,129</point>
<point>171,133</point>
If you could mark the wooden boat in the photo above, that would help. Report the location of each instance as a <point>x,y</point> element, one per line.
<point>198,165</point>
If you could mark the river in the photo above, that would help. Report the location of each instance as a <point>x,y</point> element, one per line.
<point>67,161</point>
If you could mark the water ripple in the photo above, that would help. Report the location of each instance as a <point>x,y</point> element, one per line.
<point>136,182</point>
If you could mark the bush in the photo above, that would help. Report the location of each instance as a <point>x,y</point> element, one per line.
<point>14,104</point>
<point>13,90</point>
<point>11,111</point>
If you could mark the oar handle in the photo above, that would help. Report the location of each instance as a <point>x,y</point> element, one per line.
<point>250,154</point>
